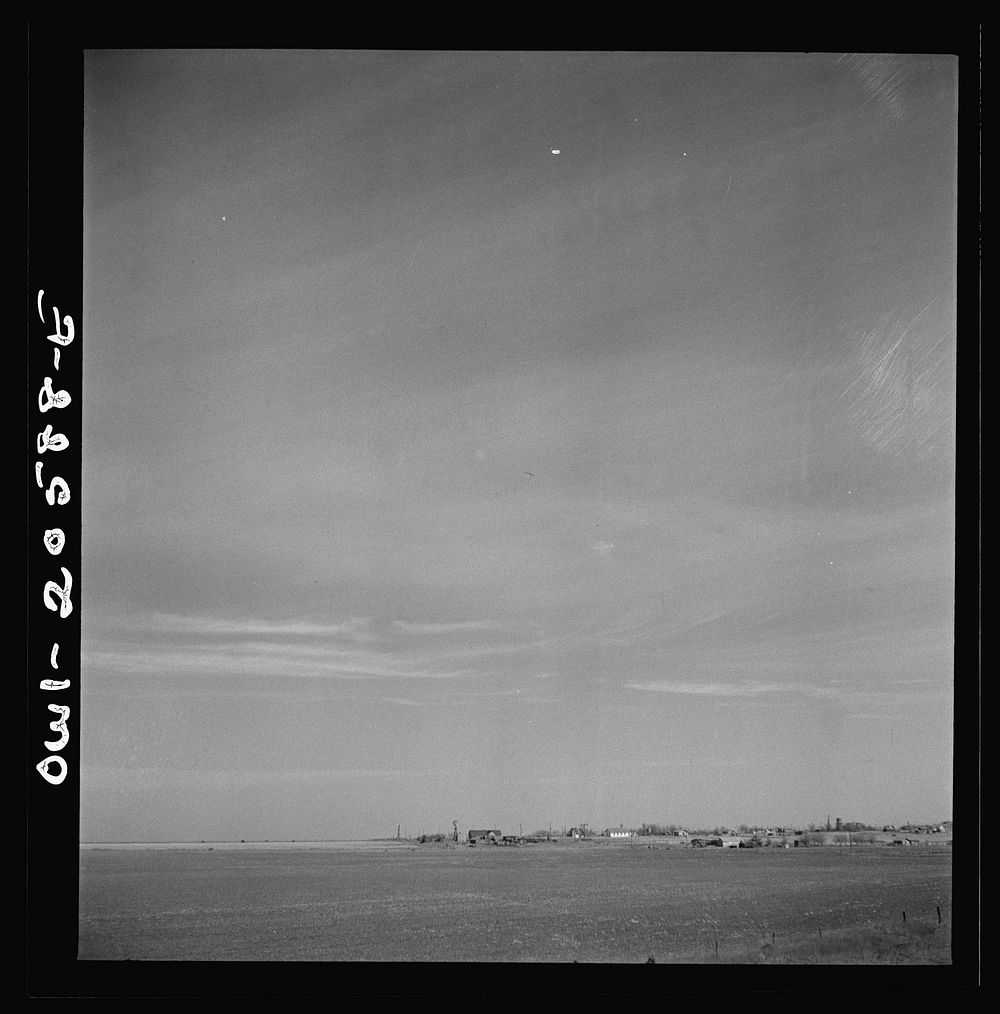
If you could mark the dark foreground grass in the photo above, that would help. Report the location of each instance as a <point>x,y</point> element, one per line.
<point>551,904</point>
<point>911,943</point>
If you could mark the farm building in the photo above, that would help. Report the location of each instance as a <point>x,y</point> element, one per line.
<point>488,835</point>
<point>618,832</point>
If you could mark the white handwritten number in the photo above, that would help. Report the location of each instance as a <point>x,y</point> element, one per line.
<point>54,684</point>
<point>59,338</point>
<point>49,441</point>
<point>59,725</point>
<point>47,398</point>
<point>43,769</point>
<point>65,606</point>
<point>55,539</point>
<point>50,494</point>
<point>54,768</point>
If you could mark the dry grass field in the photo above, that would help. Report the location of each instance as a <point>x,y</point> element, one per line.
<point>552,903</point>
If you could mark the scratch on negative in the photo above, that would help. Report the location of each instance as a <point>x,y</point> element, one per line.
<point>414,257</point>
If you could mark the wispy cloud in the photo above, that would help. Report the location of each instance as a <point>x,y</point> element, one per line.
<point>445,628</point>
<point>748,689</point>
<point>354,627</point>
<point>344,648</point>
<point>255,658</point>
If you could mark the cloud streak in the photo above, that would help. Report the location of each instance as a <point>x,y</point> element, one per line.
<point>469,626</point>
<point>749,689</point>
<point>263,658</point>
<point>356,627</point>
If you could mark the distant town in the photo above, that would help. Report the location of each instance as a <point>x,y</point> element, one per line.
<point>835,832</point>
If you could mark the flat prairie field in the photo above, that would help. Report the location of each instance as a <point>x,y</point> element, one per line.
<point>552,903</point>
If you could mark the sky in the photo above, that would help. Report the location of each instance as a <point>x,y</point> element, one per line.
<point>515,439</point>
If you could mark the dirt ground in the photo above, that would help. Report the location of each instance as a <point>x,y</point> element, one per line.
<point>389,902</point>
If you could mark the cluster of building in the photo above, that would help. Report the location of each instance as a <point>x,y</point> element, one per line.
<point>492,836</point>
<point>918,828</point>
<point>625,832</point>
<point>745,837</point>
